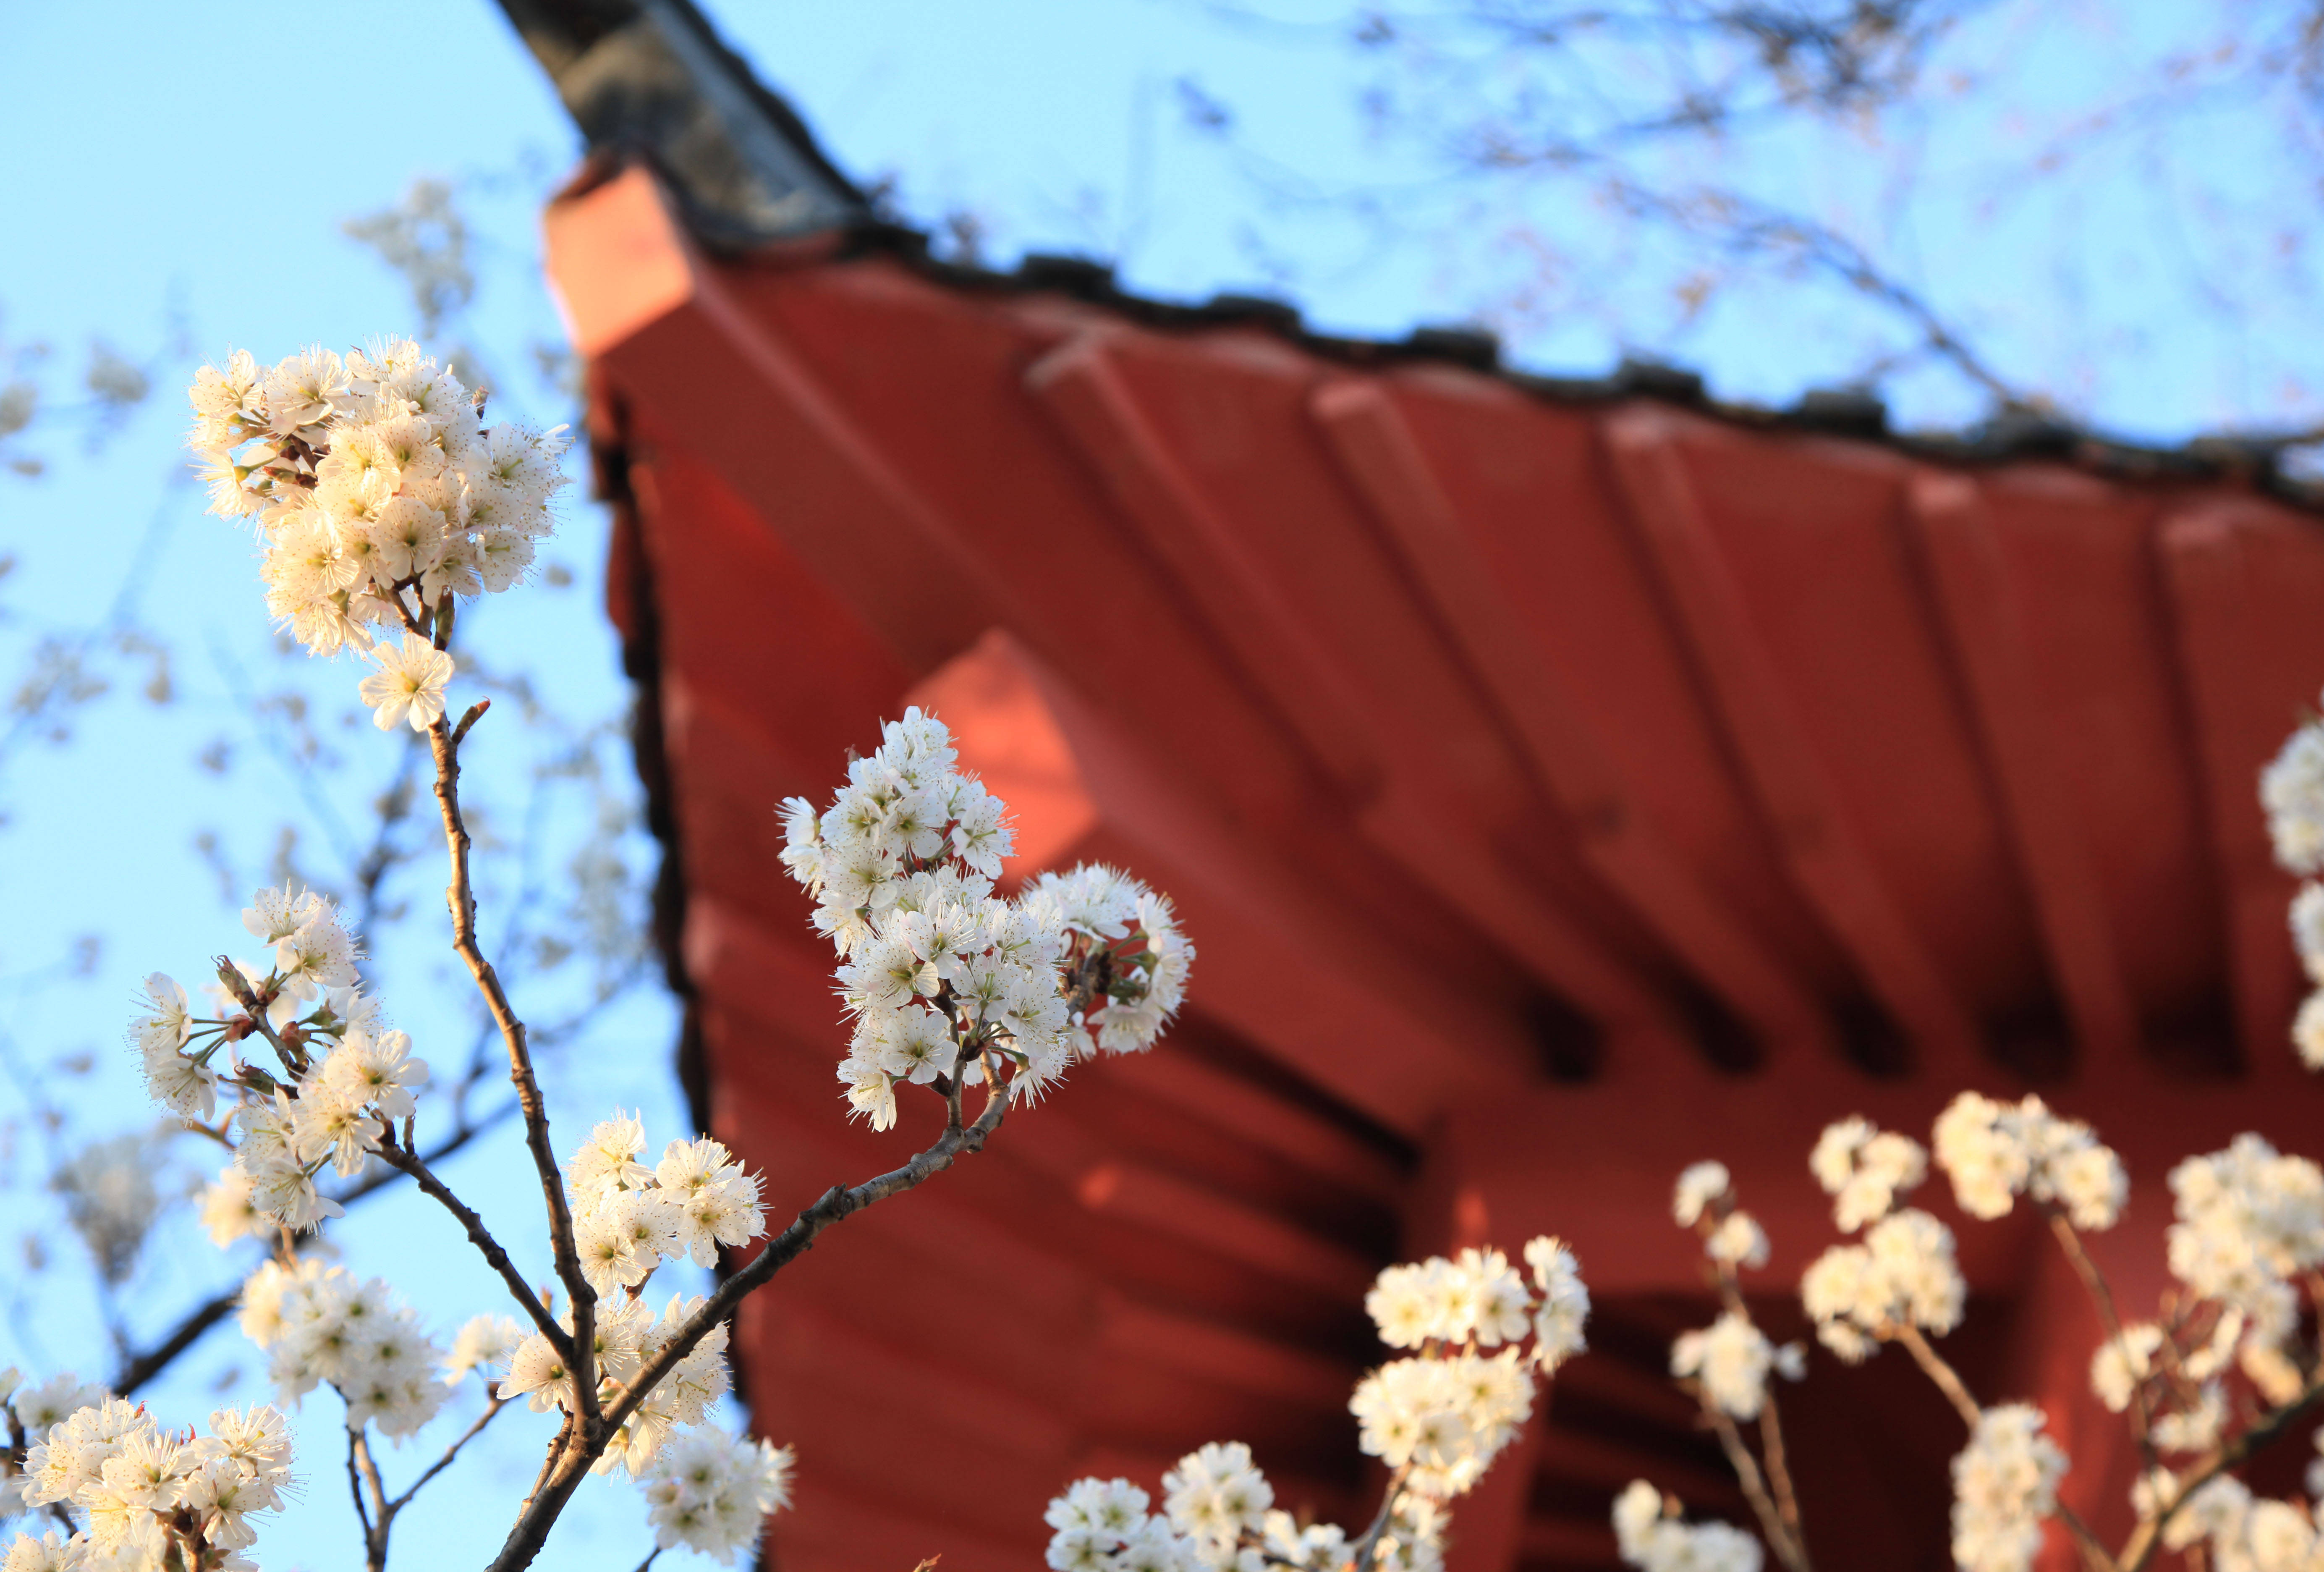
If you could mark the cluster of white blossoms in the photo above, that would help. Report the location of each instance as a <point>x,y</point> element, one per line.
<point>2244,1532</point>
<point>1995,1152</point>
<point>1903,1274</point>
<point>321,1325</point>
<point>1704,1200</point>
<point>2292,790</point>
<point>150,1498</point>
<point>947,981</point>
<point>1650,1535</point>
<point>1443,1414</point>
<point>380,495</point>
<point>1864,1168</point>
<point>1437,1419</point>
<point>712,1491</point>
<point>1219,1515</point>
<point>344,1076</point>
<point>628,1218</point>
<point>27,1413</point>
<point>628,1335</point>
<point>2004,1484</point>
<point>2249,1229</point>
<point>1729,1360</point>
<point>1732,1359</point>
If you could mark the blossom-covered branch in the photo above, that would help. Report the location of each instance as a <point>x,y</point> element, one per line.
<point>382,500</point>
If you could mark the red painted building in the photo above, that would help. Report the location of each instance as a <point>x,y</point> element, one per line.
<point>1564,783</point>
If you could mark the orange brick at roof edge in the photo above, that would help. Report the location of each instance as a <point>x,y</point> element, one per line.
<point>1558,792</point>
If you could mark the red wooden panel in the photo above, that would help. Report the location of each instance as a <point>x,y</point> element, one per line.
<point>1426,698</point>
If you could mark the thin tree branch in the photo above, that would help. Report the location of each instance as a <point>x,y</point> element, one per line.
<point>1933,1366</point>
<point>375,1522</point>
<point>492,1408</point>
<point>459,896</point>
<point>355,1489</point>
<point>396,1157</point>
<point>1755,1484</point>
<point>1368,1547</point>
<point>1779,1474</point>
<point>578,1448</point>
<point>2094,1282</point>
<point>1784,1529</point>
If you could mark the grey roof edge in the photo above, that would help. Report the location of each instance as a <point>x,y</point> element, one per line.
<point>650,80</point>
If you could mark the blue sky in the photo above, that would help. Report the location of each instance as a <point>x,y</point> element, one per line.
<point>180,170</point>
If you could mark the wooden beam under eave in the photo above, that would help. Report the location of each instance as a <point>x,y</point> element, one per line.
<point>1800,806</point>
<point>1984,619</point>
<point>1093,408</point>
<point>2211,604</point>
<point>1378,453</point>
<point>662,327</point>
<point>1098,416</point>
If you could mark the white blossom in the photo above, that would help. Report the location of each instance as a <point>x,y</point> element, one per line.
<point>112,1462</point>
<point>1650,1536</point>
<point>2292,790</point>
<point>628,1218</point>
<point>409,685</point>
<point>2004,1484</point>
<point>1101,1525</point>
<point>1995,1151</point>
<point>1557,1325</point>
<point>716,1200</point>
<point>1864,1170</point>
<point>2121,1363</point>
<point>1732,1358</point>
<point>941,978</point>
<point>482,1343</point>
<point>230,1210</point>
<point>2248,1219</point>
<point>1698,1186</point>
<point>1903,1274</point>
<point>321,1325</point>
<point>712,1491</point>
<point>110,1199</point>
<point>1216,1495</point>
<point>2308,1031</point>
<point>1737,1241</point>
<point>40,1405</point>
<point>378,494</point>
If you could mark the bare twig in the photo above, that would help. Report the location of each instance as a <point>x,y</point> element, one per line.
<point>459,896</point>
<point>1365,1548</point>
<point>1779,1513</point>
<point>1779,1476</point>
<point>355,1489</point>
<point>1755,1484</point>
<point>1933,1366</point>
<point>2094,1282</point>
<point>409,1162</point>
<point>492,1408</point>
